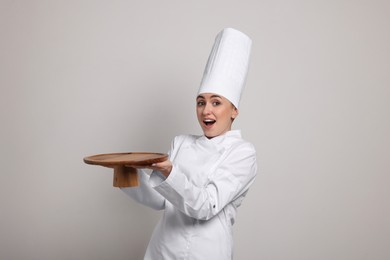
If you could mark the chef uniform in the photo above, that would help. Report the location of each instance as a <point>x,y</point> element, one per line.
<point>209,177</point>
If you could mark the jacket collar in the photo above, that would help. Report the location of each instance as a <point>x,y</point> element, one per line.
<point>221,138</point>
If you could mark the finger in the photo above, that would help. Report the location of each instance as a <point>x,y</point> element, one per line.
<point>141,166</point>
<point>160,164</point>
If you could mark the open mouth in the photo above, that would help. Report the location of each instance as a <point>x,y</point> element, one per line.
<point>209,122</point>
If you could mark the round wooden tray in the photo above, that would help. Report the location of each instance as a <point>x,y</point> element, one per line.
<point>125,175</point>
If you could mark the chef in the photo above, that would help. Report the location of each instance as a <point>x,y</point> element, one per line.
<point>206,177</point>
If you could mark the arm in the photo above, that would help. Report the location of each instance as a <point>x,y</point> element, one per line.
<point>145,194</point>
<point>231,178</point>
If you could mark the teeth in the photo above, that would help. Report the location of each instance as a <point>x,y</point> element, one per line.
<point>209,121</point>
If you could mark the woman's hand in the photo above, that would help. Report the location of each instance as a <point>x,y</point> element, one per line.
<point>164,167</point>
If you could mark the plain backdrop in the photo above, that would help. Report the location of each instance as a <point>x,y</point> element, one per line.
<point>83,77</point>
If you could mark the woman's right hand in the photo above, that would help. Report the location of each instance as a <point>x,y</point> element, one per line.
<point>164,167</point>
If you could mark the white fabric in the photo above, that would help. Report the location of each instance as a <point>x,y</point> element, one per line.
<point>227,66</point>
<point>209,179</point>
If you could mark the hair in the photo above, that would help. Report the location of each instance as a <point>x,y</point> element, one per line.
<point>234,107</point>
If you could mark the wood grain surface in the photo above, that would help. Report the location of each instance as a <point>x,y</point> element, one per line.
<point>128,159</point>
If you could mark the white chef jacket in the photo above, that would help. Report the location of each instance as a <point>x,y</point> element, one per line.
<point>208,181</point>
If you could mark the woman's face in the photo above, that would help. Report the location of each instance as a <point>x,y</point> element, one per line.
<point>215,114</point>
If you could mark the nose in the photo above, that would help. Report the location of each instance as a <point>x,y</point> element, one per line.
<point>207,109</point>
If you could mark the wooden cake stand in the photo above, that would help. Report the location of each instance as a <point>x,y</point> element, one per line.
<point>125,175</point>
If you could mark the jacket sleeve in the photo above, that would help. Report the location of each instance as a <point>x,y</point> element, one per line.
<point>144,193</point>
<point>235,172</point>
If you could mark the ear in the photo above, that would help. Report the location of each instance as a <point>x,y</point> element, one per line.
<point>234,113</point>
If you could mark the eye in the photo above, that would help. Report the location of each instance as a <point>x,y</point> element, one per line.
<point>200,103</point>
<point>216,103</point>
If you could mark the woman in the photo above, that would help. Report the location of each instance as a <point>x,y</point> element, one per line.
<point>206,177</point>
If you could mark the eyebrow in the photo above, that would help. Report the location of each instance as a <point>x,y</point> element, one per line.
<point>213,96</point>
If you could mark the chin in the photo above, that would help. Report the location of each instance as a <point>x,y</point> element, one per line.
<point>210,134</point>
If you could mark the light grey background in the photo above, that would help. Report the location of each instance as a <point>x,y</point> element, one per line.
<point>84,77</point>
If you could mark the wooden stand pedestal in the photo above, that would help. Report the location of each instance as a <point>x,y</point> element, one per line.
<point>125,176</point>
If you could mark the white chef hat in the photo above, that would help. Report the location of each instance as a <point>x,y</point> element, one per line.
<point>227,66</point>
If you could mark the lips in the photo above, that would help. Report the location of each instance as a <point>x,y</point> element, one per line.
<point>209,122</point>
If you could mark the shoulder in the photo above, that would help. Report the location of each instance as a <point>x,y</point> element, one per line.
<point>236,142</point>
<point>242,148</point>
<point>184,140</point>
